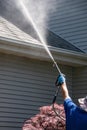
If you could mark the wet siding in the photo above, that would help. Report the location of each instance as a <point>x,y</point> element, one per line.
<point>69,21</point>
<point>25,85</point>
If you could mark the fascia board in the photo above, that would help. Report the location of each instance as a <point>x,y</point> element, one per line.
<point>37,51</point>
<point>70,57</point>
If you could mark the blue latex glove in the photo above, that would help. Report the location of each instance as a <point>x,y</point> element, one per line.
<point>60,80</point>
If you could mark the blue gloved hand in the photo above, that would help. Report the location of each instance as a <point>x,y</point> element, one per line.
<point>60,80</point>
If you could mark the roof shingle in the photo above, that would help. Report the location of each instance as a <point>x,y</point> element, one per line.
<point>8,30</point>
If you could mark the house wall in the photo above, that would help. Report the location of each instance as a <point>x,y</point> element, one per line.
<point>69,20</point>
<point>79,88</point>
<point>25,85</point>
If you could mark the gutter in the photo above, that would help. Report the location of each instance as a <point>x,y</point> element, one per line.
<point>37,51</point>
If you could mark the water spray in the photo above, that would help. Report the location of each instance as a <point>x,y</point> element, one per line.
<point>25,11</point>
<point>55,64</point>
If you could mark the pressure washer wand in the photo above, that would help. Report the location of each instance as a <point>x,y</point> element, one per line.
<point>54,99</point>
<point>55,64</point>
<point>56,83</point>
<point>56,94</point>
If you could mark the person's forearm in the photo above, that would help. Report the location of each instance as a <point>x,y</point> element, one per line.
<point>65,92</point>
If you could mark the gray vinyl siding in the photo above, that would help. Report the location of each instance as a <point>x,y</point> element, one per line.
<point>69,20</point>
<point>79,83</point>
<point>25,85</point>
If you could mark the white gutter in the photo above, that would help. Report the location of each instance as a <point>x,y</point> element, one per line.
<point>37,51</point>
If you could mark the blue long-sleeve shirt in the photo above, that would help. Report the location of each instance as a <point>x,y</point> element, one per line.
<point>76,118</point>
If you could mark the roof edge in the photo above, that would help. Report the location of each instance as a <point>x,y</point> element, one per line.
<point>37,51</point>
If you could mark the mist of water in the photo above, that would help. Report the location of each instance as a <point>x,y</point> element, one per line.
<point>30,19</point>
